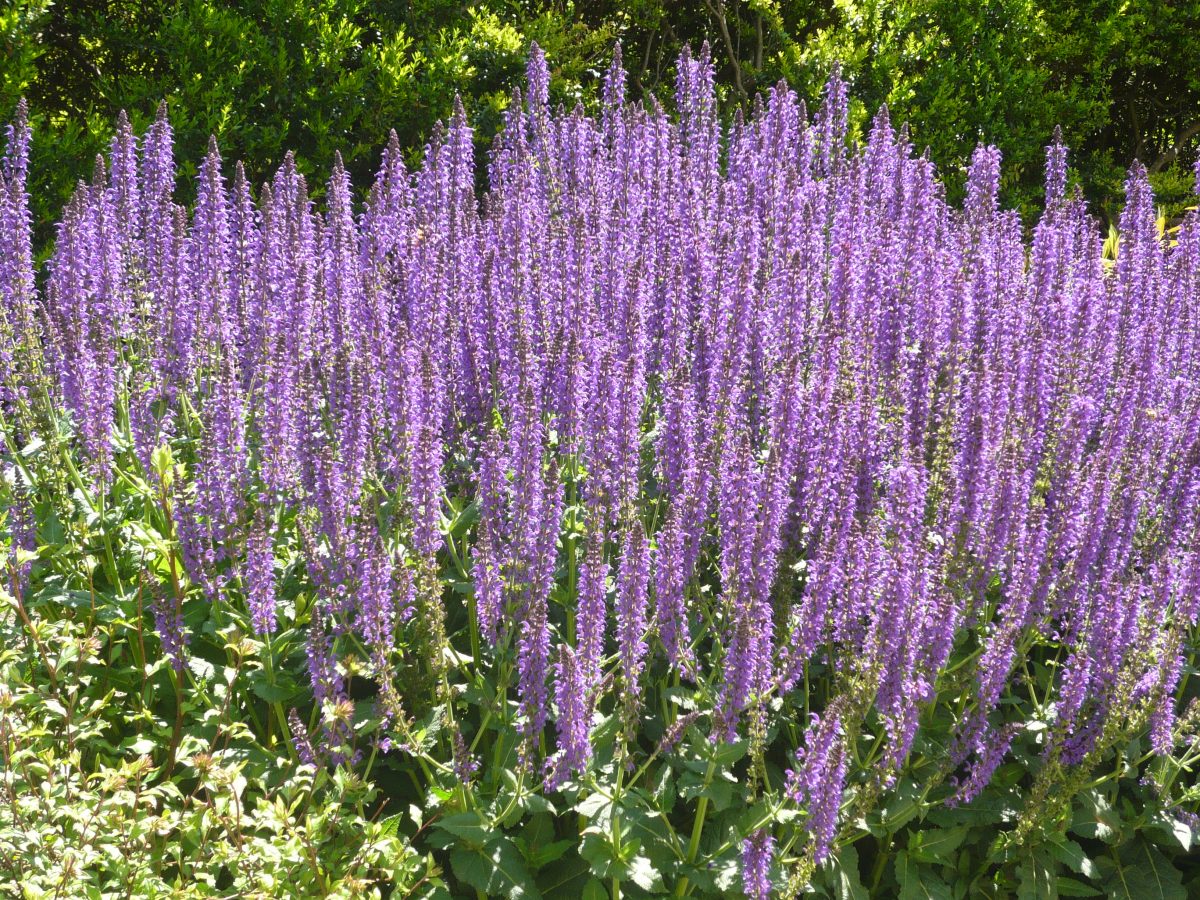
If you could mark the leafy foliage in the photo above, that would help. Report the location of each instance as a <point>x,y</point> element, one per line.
<point>269,76</point>
<point>120,778</point>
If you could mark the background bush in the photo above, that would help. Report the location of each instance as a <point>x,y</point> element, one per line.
<point>267,76</point>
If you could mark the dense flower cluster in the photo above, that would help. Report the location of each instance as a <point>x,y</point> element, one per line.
<point>757,851</point>
<point>724,404</point>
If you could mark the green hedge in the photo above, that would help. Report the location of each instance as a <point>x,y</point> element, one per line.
<point>267,76</point>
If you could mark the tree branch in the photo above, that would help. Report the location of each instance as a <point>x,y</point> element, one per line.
<point>1189,132</point>
<point>718,11</point>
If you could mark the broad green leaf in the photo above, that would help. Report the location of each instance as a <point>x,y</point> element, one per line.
<point>463,519</point>
<point>903,806</point>
<point>1143,873</point>
<point>1183,833</point>
<point>1069,853</point>
<point>508,862</point>
<point>534,803</point>
<point>593,805</point>
<point>1070,887</point>
<point>1173,829</point>
<point>685,698</point>
<point>539,830</point>
<point>536,842</point>
<point>472,867</point>
<point>597,849</point>
<point>282,689</point>
<point>1096,818</point>
<point>564,878</point>
<point>642,873</point>
<point>991,808</point>
<point>542,856</point>
<point>1035,878</point>
<point>726,755</point>
<point>390,825</point>
<point>468,826</point>
<point>919,882</point>
<point>936,845</point>
<point>496,869</point>
<point>727,875</point>
<point>142,747</point>
<point>848,880</point>
<point>719,791</point>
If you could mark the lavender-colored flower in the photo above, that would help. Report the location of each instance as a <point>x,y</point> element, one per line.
<point>991,752</point>
<point>20,523</point>
<point>300,739</point>
<point>633,574</point>
<point>171,629</point>
<point>465,765</point>
<point>573,697</point>
<point>18,332</point>
<point>593,608</point>
<point>758,853</point>
<point>260,578</point>
<point>819,779</point>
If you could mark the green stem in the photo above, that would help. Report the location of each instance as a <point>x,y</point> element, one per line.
<point>285,731</point>
<point>473,623</point>
<point>616,831</point>
<point>681,890</point>
<point>177,731</point>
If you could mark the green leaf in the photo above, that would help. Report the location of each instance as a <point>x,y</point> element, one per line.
<point>1183,833</point>
<point>564,879</point>
<point>472,867</point>
<point>542,856</point>
<point>535,803</point>
<point>1143,873</point>
<point>593,889</point>
<point>497,870</point>
<point>463,519</point>
<point>903,806</point>
<point>719,792</point>
<point>1070,887</point>
<point>468,826</point>
<point>642,873</point>
<point>989,809</point>
<point>918,882</point>
<point>509,864</point>
<point>539,830</point>
<point>281,690</point>
<point>1035,878</point>
<point>142,747</point>
<point>848,884</point>
<point>1096,818</point>
<point>683,697</point>
<point>597,849</point>
<point>725,755</point>
<point>390,825</point>
<point>537,844</point>
<point>593,805</point>
<point>1172,829</point>
<point>936,845</point>
<point>727,875</point>
<point>162,462</point>
<point>1071,854</point>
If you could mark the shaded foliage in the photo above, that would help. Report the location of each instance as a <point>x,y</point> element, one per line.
<point>269,76</point>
